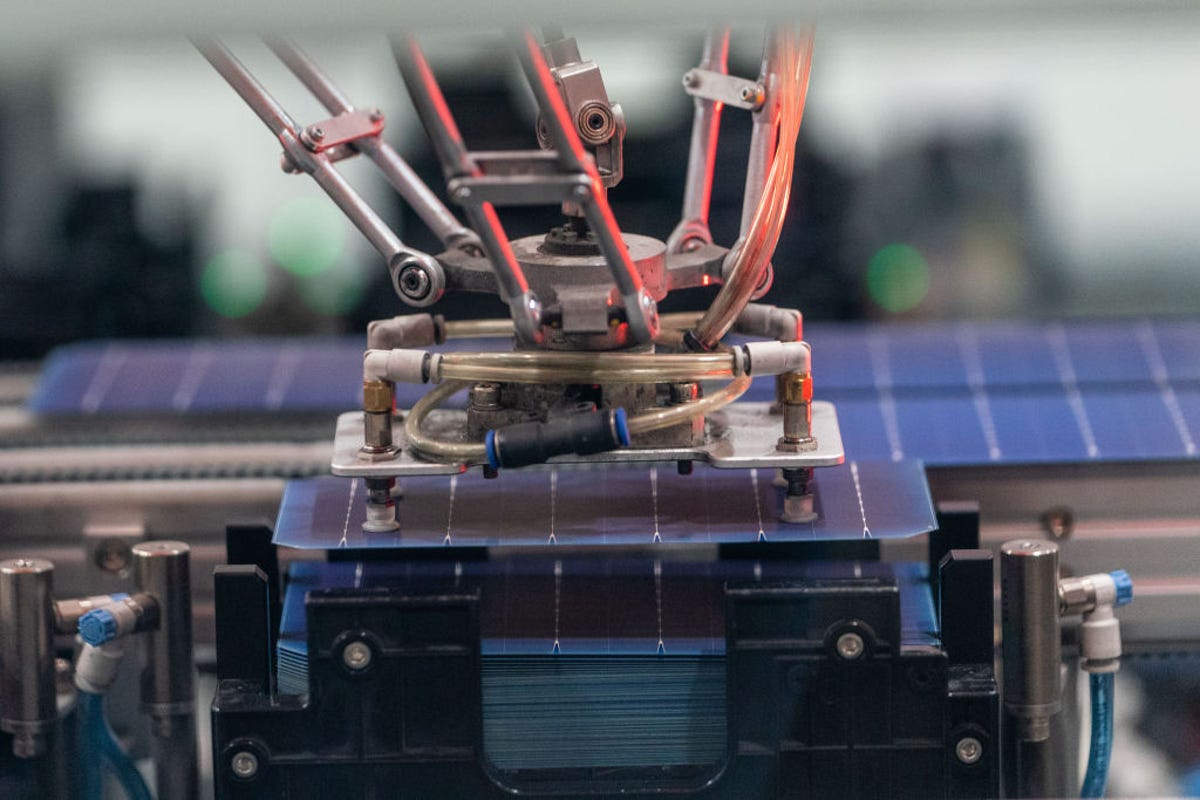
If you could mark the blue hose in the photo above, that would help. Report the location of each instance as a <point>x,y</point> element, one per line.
<point>99,744</point>
<point>1102,735</point>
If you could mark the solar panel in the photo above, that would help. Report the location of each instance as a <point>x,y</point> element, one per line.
<point>951,394</point>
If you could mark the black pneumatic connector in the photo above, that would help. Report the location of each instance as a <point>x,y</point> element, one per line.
<point>529,443</point>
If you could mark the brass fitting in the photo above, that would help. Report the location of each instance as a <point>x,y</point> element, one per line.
<point>794,387</point>
<point>378,396</point>
<point>378,399</point>
<point>794,391</point>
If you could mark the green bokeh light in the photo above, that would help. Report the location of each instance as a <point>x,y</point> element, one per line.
<point>306,235</point>
<point>898,277</point>
<point>335,292</point>
<point>233,283</point>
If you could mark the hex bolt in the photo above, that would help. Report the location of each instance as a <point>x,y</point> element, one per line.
<point>850,645</point>
<point>244,764</point>
<point>485,395</point>
<point>357,655</point>
<point>968,750</point>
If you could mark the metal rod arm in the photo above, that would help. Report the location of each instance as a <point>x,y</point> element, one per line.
<point>456,160</point>
<point>317,164</point>
<point>702,155</point>
<point>395,169</point>
<point>248,88</point>
<point>641,312</point>
<point>763,135</point>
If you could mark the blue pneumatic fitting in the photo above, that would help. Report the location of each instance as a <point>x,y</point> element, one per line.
<point>621,422</point>
<point>489,444</point>
<point>1124,586</point>
<point>97,627</point>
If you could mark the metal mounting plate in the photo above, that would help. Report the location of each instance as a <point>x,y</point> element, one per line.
<point>740,436</point>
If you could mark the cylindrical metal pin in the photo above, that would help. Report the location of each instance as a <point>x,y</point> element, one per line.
<point>161,569</point>
<point>1032,645</point>
<point>27,690</point>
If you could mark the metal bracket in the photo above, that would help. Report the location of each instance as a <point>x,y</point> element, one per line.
<point>516,189</point>
<point>345,128</point>
<point>727,89</point>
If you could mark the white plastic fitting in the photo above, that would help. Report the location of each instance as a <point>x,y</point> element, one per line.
<point>1095,597</point>
<point>1100,641</point>
<point>96,667</point>
<point>407,330</point>
<point>784,324</point>
<point>399,366</point>
<point>776,358</point>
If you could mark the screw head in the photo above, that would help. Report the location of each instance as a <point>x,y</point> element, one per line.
<point>462,193</point>
<point>968,750</point>
<point>691,79</point>
<point>244,764</point>
<point>850,645</point>
<point>316,133</point>
<point>581,192</point>
<point>375,115</point>
<point>357,656</point>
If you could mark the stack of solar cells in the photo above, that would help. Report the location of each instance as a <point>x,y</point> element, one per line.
<point>589,662</point>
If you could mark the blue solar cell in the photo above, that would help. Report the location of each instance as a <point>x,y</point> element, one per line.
<point>1188,402</point>
<point>233,379</point>
<point>1108,353</point>
<point>639,506</point>
<point>942,429</point>
<point>841,358</point>
<point>1012,354</point>
<point>1136,423</point>
<point>1036,427</point>
<point>864,432</point>
<point>1179,344</point>
<point>920,356</point>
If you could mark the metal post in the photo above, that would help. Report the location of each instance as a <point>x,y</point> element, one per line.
<point>28,704</point>
<point>168,694</point>
<point>1032,660</point>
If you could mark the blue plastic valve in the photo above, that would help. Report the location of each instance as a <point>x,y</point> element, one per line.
<point>1124,586</point>
<point>97,627</point>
